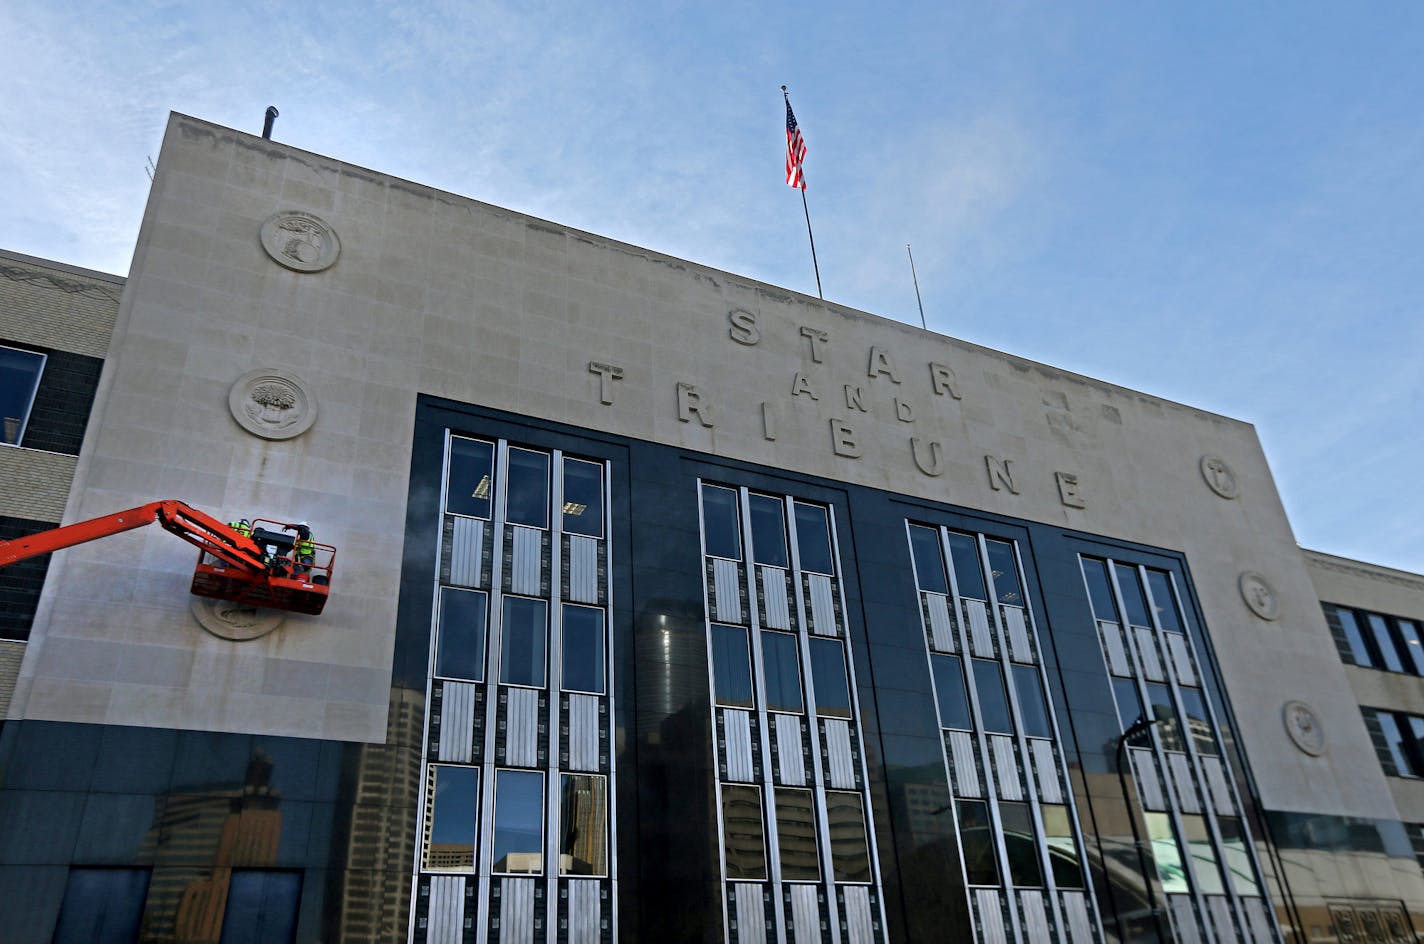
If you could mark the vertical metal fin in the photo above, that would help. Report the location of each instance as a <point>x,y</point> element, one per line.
<point>457,722</point>
<point>823,607</point>
<point>941,627</point>
<point>521,718</point>
<point>726,590</point>
<point>791,759</point>
<point>838,752</point>
<point>776,613</point>
<point>467,552</point>
<point>583,569</point>
<point>583,732</point>
<point>737,729</point>
<point>516,911</point>
<point>447,910</point>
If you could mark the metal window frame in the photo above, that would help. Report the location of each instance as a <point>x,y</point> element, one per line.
<point>552,489</point>
<point>445,476</point>
<point>421,852</point>
<point>33,394</point>
<point>603,487</point>
<point>607,834</point>
<point>602,646</point>
<point>549,632</point>
<point>438,631</point>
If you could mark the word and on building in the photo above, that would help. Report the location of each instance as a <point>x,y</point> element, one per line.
<point>660,604</point>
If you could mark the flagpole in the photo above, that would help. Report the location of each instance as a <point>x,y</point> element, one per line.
<point>916,279</point>
<point>805,209</point>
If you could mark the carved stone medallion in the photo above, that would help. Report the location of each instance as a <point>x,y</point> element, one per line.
<point>1259,595</point>
<point>300,241</point>
<point>1303,726</point>
<point>235,621</point>
<point>1219,477</point>
<point>272,403</point>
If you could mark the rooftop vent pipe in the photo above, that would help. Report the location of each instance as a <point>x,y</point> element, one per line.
<point>267,125</point>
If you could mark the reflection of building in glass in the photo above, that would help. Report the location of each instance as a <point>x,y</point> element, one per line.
<point>583,850</point>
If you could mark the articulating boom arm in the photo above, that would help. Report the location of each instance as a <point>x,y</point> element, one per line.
<point>204,531</point>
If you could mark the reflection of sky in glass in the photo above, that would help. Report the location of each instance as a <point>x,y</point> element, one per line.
<point>1166,853</point>
<point>583,649</point>
<point>456,789</point>
<point>518,813</point>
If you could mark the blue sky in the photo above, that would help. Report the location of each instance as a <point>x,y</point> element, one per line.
<point>1215,203</point>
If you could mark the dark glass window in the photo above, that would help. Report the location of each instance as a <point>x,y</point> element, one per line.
<point>523,639</point>
<point>744,839</point>
<point>453,819</point>
<point>1394,743</point>
<point>1005,572</point>
<point>1129,701</point>
<point>731,666</point>
<point>976,840</point>
<point>1236,857</point>
<point>1413,645</point>
<point>1198,720</point>
<point>583,648</point>
<point>949,689</point>
<point>1062,848</point>
<point>19,380</point>
<point>993,703</point>
<point>518,821</point>
<point>783,671</point>
<point>101,906</point>
<point>262,907</point>
<point>1032,707</point>
<point>968,576</point>
<point>460,640</point>
<point>828,673</point>
<point>1019,842</point>
<point>1166,853</point>
<point>471,478</point>
<point>796,835</point>
<point>1355,639</point>
<point>583,497</point>
<point>583,825</point>
<point>528,499</point>
<point>1203,855</point>
<point>1163,601</point>
<point>1095,574</point>
<point>1384,642</point>
<point>768,530</point>
<point>719,522</point>
<point>813,539</point>
<point>850,855</point>
<point>929,559</point>
<point>1132,597</point>
<point>1169,726</point>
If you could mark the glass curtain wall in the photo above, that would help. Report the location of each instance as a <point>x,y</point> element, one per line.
<point>516,816</point>
<point>798,858</point>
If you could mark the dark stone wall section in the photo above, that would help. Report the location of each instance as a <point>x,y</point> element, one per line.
<point>20,584</point>
<point>61,409</point>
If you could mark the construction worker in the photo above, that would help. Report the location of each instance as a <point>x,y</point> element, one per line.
<point>304,550</point>
<point>242,527</point>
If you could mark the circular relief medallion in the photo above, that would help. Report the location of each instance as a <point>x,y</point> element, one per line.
<point>1303,726</point>
<point>1259,595</point>
<point>300,241</point>
<point>1219,477</point>
<point>271,403</point>
<point>235,621</point>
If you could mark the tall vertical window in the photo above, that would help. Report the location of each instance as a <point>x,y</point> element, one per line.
<point>976,837</point>
<point>796,835</point>
<point>968,576</point>
<point>19,382</point>
<point>768,530</point>
<point>1005,573</point>
<point>744,838</point>
<point>1164,601</point>
<point>471,482</point>
<point>527,501</point>
<point>262,907</point>
<point>460,635</point>
<point>1032,707</point>
<point>582,648</point>
<point>732,666</point>
<point>518,821</point>
<point>813,539</point>
<point>845,822</point>
<point>1020,844</point>
<point>102,906</point>
<point>523,638</point>
<point>993,702</point>
<point>583,825</point>
<point>1384,642</point>
<point>783,671</point>
<point>828,674</point>
<point>720,527</point>
<point>1132,597</point>
<point>929,559</point>
<point>583,497</point>
<point>1166,853</point>
<point>452,794</point>
<point>949,690</point>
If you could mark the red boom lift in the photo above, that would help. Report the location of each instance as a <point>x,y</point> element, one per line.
<point>260,570</point>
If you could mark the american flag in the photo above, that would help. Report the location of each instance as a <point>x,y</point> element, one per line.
<point>795,151</point>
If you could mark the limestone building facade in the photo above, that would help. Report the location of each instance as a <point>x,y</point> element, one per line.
<point>666,605</point>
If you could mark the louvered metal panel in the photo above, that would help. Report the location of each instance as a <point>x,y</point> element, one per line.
<point>1020,649</point>
<point>776,613</point>
<point>1218,907</point>
<point>516,911</point>
<point>521,736</point>
<point>584,912</point>
<point>1113,646</point>
<point>1035,915</point>
<point>805,913</point>
<point>1184,919</point>
<point>963,757</point>
<point>1075,915</point>
<point>1050,788</point>
<point>583,569</point>
<point>941,626</point>
<point>1010,786</point>
<point>751,914</point>
<point>467,552</point>
<point>737,728</point>
<point>1147,652</point>
<point>583,732</point>
<point>447,910</point>
<point>726,590</point>
<point>1217,785</point>
<point>525,570</point>
<point>457,722</point>
<point>859,920</point>
<point>1149,786</point>
<point>1181,658</point>
<point>1181,769</point>
<point>981,639</point>
<point>823,607</point>
<point>791,759</point>
<point>841,767</point>
<point>1262,927</point>
<point>991,917</point>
